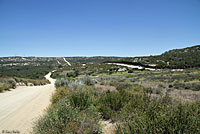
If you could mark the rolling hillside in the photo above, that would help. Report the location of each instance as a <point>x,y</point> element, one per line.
<point>186,57</point>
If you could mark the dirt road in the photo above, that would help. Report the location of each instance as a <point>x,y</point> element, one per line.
<point>20,107</point>
<point>131,66</point>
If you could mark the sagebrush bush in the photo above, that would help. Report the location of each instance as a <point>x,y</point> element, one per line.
<point>7,83</point>
<point>12,83</point>
<point>2,87</point>
<point>76,84</point>
<point>61,82</point>
<point>88,81</point>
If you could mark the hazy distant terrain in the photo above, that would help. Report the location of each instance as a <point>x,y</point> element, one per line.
<point>189,56</point>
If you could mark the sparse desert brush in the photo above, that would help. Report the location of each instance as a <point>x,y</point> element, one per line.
<point>187,86</point>
<point>11,82</point>
<point>76,84</point>
<point>102,83</point>
<point>7,83</point>
<point>157,91</point>
<point>114,83</point>
<point>61,82</point>
<point>32,81</point>
<point>138,88</point>
<point>2,87</point>
<point>134,106</point>
<point>88,81</point>
<point>124,86</point>
<point>60,93</point>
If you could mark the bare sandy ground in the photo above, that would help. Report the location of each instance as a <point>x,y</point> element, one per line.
<point>108,127</point>
<point>131,66</point>
<point>67,61</point>
<point>22,106</point>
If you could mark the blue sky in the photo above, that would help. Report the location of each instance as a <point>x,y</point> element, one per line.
<point>97,27</point>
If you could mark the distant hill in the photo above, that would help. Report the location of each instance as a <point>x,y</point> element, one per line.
<point>37,67</point>
<point>189,56</point>
<point>185,57</point>
<point>53,61</point>
<point>179,57</point>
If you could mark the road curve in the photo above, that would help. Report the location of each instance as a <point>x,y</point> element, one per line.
<point>22,106</point>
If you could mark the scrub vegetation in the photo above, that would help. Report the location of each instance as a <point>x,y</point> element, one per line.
<point>7,83</point>
<point>132,100</point>
<point>13,74</point>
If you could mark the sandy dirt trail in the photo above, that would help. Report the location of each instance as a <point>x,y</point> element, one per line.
<point>22,106</point>
<point>132,66</point>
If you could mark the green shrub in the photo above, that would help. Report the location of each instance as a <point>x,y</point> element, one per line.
<point>130,71</point>
<point>81,99</point>
<point>2,87</point>
<point>90,123</point>
<point>72,74</point>
<point>63,118</point>
<point>161,86</point>
<point>12,83</point>
<point>113,83</point>
<point>60,118</point>
<point>143,115</point>
<point>138,88</point>
<point>110,103</point>
<point>59,94</point>
<point>187,86</point>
